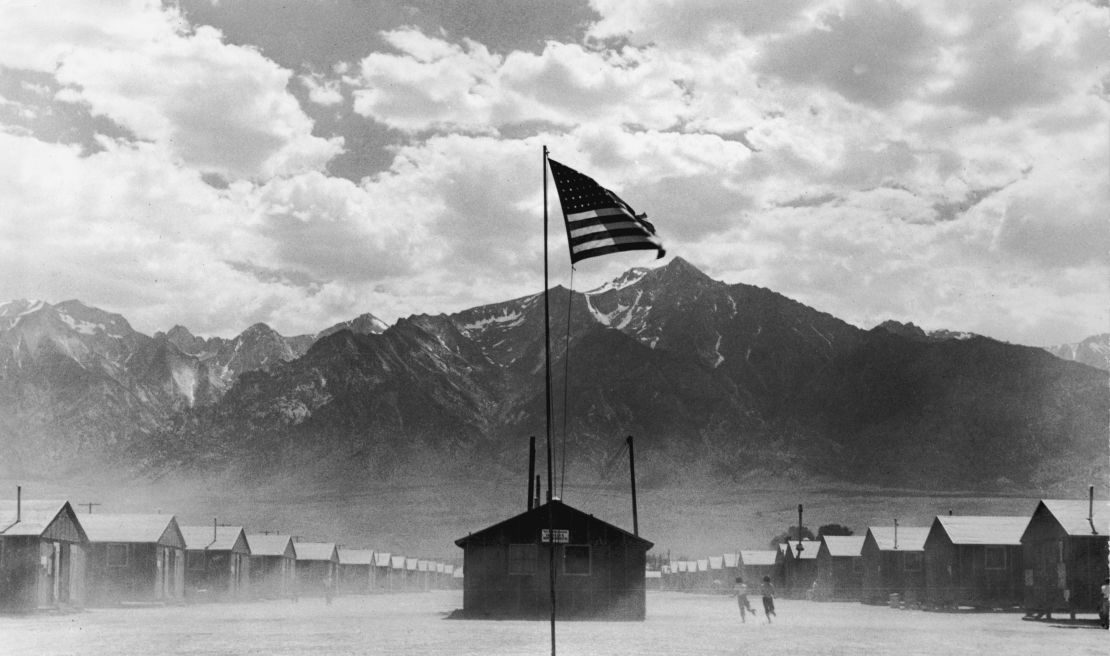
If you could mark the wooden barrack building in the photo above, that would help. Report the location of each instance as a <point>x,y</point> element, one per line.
<point>134,558</point>
<point>599,567</point>
<point>974,561</point>
<point>317,568</point>
<point>893,563</point>
<point>42,556</point>
<point>273,569</point>
<point>840,568</point>
<point>1065,555</point>
<point>217,562</point>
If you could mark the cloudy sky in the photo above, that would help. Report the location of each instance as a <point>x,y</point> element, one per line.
<point>216,164</point>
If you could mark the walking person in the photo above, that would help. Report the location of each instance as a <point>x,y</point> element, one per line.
<point>741,592</point>
<point>767,590</point>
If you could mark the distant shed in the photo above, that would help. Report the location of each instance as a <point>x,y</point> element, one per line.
<point>397,573</point>
<point>356,568</point>
<point>731,566</point>
<point>703,580</point>
<point>273,568</point>
<point>424,569</point>
<point>1064,549</point>
<point>799,567</point>
<point>840,567</point>
<point>717,574</point>
<point>317,564</point>
<point>754,564</point>
<point>217,562</point>
<point>687,574</point>
<point>134,558</point>
<point>412,574</point>
<point>974,561</point>
<point>42,556</point>
<point>382,581</point>
<point>779,579</point>
<point>893,563</point>
<point>599,567</point>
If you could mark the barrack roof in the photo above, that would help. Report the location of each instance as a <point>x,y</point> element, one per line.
<point>983,529</point>
<point>910,538</point>
<point>558,508</point>
<point>269,544</point>
<point>809,549</point>
<point>840,546</point>
<point>140,528</point>
<point>1072,514</point>
<point>315,550</point>
<point>758,557</point>
<point>219,538</point>
<point>35,517</point>
<point>356,556</point>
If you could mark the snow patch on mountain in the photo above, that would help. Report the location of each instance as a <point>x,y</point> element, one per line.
<point>83,327</point>
<point>622,316</point>
<point>35,307</point>
<point>185,382</point>
<point>821,335</point>
<point>627,279</point>
<point>506,319</point>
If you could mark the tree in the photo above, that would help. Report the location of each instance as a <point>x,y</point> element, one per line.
<point>833,529</point>
<point>791,534</point>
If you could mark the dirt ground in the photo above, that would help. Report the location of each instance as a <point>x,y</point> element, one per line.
<point>416,624</point>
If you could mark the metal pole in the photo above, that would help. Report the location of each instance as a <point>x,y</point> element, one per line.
<point>547,406</point>
<point>632,473</point>
<point>551,545</point>
<point>547,340</point>
<point>1091,509</point>
<point>531,469</point>
<point>800,547</point>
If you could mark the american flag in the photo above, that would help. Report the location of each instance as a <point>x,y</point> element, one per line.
<point>598,221</point>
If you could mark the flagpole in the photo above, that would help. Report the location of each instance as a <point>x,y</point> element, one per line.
<point>547,408</point>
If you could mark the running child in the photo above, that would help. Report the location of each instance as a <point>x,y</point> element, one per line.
<point>767,589</point>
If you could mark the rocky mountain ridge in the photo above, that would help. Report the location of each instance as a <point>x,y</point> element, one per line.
<point>1093,351</point>
<point>733,379</point>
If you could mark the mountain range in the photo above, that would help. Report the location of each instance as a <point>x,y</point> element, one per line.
<point>732,380</point>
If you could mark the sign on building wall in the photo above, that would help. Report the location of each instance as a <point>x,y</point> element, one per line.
<point>562,536</point>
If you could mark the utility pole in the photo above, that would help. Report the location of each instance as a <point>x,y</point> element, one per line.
<point>632,473</point>
<point>800,547</point>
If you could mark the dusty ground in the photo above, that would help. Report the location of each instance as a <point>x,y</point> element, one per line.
<point>415,624</point>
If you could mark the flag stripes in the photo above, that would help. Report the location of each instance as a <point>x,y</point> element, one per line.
<point>598,222</point>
